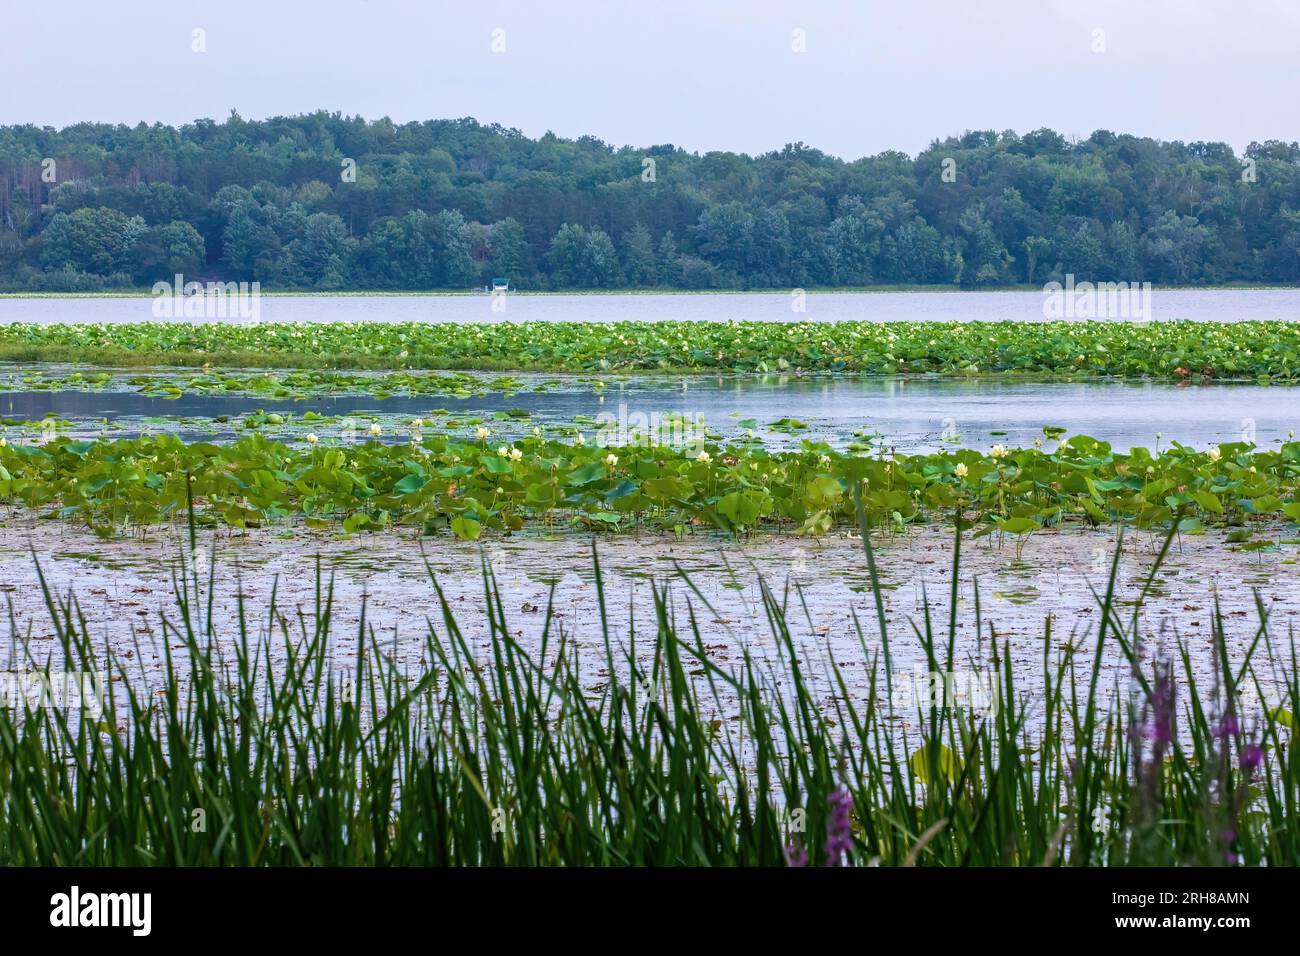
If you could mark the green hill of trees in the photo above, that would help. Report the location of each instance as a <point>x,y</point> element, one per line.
<point>329,202</point>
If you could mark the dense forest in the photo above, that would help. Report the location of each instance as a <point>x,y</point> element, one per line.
<point>330,202</point>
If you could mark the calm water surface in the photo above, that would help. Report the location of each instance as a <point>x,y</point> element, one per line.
<point>909,414</point>
<point>1215,305</point>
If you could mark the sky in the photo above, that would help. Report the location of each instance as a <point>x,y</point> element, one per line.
<point>850,78</point>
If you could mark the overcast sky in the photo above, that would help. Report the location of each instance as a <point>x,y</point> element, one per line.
<point>702,74</point>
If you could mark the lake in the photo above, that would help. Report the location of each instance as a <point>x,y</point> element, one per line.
<point>911,415</point>
<point>1210,305</point>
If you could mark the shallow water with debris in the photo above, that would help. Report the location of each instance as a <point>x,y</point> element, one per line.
<point>1006,596</point>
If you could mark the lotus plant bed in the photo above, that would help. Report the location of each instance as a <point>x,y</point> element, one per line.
<point>464,486</point>
<point>1178,350</point>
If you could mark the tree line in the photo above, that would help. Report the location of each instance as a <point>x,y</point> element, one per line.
<point>330,202</point>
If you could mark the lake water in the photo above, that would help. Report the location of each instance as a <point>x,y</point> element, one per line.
<point>908,414</point>
<point>386,578</point>
<point>1051,573</point>
<point>1212,305</point>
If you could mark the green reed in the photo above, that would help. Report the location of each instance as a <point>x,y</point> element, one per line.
<point>253,749</point>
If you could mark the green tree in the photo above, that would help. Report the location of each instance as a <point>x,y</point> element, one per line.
<point>668,255</point>
<point>322,250</point>
<point>98,240</point>
<point>250,247</point>
<point>1173,246</point>
<point>640,266</point>
<point>724,236</point>
<point>916,254</point>
<point>1110,205</point>
<point>853,243</point>
<point>1037,249</point>
<point>166,251</point>
<point>770,249</point>
<point>986,260</point>
<point>507,251</point>
<point>582,259</point>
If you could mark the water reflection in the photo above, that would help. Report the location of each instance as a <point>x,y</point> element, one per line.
<point>910,414</point>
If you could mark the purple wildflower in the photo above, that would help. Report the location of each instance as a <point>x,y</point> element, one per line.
<point>1161,728</point>
<point>1230,856</point>
<point>839,828</point>
<point>1228,727</point>
<point>1251,757</point>
<point>796,855</point>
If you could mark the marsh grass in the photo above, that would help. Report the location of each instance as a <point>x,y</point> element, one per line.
<point>516,757</point>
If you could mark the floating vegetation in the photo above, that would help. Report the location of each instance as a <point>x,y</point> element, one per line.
<point>1243,351</point>
<point>290,384</point>
<point>441,482</point>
